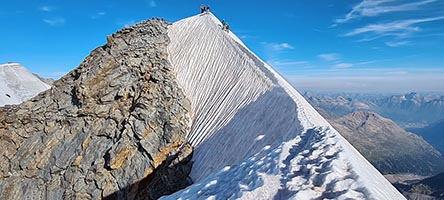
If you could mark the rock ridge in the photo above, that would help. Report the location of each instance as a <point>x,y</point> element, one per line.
<point>102,129</point>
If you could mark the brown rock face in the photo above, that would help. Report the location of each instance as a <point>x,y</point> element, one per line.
<point>110,128</point>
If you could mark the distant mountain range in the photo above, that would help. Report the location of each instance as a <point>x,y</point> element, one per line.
<point>391,149</point>
<point>408,110</point>
<point>385,144</point>
<point>411,108</point>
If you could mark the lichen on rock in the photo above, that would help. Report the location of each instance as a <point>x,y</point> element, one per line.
<point>101,129</point>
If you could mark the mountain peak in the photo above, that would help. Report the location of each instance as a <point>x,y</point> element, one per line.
<point>17,84</point>
<point>361,114</point>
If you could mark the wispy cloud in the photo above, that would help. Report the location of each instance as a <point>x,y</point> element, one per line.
<point>372,8</point>
<point>403,72</point>
<point>98,15</point>
<point>282,46</point>
<point>46,8</point>
<point>343,65</point>
<point>277,46</point>
<point>401,27</point>
<point>247,36</point>
<point>152,3</point>
<point>337,62</point>
<point>55,21</point>
<point>279,63</point>
<point>397,44</point>
<point>329,56</point>
<point>367,62</point>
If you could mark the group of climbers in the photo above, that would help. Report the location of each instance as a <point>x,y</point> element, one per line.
<point>225,26</point>
<point>204,9</point>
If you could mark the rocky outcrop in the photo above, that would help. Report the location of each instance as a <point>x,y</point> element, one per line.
<point>387,146</point>
<point>110,128</point>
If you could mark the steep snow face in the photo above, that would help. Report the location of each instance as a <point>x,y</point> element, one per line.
<point>17,84</point>
<point>255,136</point>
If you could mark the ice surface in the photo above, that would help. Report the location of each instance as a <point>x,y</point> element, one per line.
<point>17,84</point>
<point>255,136</point>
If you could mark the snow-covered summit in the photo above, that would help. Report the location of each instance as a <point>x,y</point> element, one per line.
<point>17,84</point>
<point>255,136</point>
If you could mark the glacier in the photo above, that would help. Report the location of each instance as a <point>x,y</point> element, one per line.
<point>254,135</point>
<point>17,84</point>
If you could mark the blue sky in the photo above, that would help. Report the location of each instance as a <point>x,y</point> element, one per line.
<point>324,45</point>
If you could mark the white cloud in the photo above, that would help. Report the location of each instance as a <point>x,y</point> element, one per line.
<point>396,73</point>
<point>152,3</point>
<point>329,56</point>
<point>279,63</point>
<point>366,62</point>
<point>279,46</point>
<point>55,21</point>
<point>98,15</point>
<point>282,46</point>
<point>371,8</point>
<point>46,8</point>
<point>402,27</point>
<point>397,44</point>
<point>274,51</point>
<point>343,65</point>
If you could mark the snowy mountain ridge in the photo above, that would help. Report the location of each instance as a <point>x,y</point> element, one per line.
<point>17,84</point>
<point>255,136</point>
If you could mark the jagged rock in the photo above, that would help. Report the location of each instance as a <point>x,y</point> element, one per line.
<point>105,126</point>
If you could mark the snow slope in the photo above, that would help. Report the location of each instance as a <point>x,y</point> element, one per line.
<point>255,136</point>
<point>17,84</point>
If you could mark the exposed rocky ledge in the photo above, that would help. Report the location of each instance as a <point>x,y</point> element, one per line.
<point>112,128</point>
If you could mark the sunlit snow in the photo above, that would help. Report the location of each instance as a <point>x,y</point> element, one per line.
<point>255,136</point>
<point>17,84</point>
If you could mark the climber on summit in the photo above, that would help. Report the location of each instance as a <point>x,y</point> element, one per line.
<point>227,27</point>
<point>202,8</point>
<point>207,9</point>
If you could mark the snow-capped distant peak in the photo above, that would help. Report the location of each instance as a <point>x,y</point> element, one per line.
<point>17,84</point>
